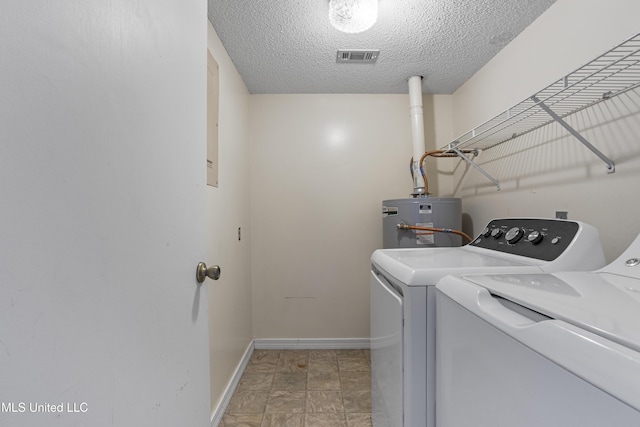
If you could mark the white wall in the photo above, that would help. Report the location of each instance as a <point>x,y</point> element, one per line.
<point>228,207</point>
<point>320,167</point>
<point>544,171</point>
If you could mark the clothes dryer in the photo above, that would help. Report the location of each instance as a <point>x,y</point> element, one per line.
<point>552,350</point>
<point>403,302</point>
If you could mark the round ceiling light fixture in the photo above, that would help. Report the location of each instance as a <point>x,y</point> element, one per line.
<point>353,16</point>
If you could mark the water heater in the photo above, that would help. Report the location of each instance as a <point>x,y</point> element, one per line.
<point>433,212</point>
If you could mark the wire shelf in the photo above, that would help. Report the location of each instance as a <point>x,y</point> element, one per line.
<point>611,74</point>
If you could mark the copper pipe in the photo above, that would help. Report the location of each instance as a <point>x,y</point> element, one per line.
<point>434,153</point>
<point>439,230</point>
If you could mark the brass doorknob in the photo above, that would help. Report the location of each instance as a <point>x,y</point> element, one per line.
<point>202,272</point>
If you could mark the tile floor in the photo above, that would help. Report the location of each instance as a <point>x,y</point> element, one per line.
<point>303,388</point>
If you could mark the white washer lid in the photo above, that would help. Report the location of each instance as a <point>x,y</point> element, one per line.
<point>425,266</point>
<point>603,303</point>
<point>592,327</point>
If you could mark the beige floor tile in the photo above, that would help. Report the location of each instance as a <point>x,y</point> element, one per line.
<point>322,354</point>
<point>355,380</point>
<point>256,381</point>
<point>292,363</point>
<point>325,420</point>
<point>263,361</point>
<point>359,420</point>
<point>289,381</point>
<point>260,367</point>
<point>323,381</point>
<point>243,420</point>
<point>356,364</point>
<point>303,388</point>
<point>351,353</point>
<point>357,401</point>
<point>248,402</point>
<point>323,364</point>
<point>265,356</point>
<point>324,401</point>
<point>283,420</point>
<point>286,402</point>
<point>294,353</point>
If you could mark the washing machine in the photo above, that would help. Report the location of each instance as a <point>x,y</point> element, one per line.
<point>551,350</point>
<point>403,308</point>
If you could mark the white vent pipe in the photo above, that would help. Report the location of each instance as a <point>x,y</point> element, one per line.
<point>417,132</point>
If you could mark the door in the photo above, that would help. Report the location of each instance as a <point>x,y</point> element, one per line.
<point>102,180</point>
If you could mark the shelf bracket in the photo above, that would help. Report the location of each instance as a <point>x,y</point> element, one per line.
<point>475,165</point>
<point>611,167</point>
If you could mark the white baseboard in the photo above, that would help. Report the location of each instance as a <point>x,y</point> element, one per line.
<point>280,344</point>
<point>310,343</point>
<point>218,413</point>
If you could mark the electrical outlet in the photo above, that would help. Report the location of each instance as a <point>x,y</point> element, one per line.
<point>562,215</point>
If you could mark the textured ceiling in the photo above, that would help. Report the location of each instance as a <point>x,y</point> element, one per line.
<point>289,46</point>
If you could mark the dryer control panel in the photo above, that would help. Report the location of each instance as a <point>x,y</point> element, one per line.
<point>539,238</point>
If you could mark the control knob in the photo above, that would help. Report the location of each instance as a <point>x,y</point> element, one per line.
<point>513,235</point>
<point>535,237</point>
<point>496,233</point>
<point>486,232</point>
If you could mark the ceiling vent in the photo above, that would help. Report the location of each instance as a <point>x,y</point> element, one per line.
<point>360,56</point>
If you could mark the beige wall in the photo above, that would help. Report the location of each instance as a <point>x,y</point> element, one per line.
<point>228,207</point>
<point>320,167</point>
<point>545,171</point>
